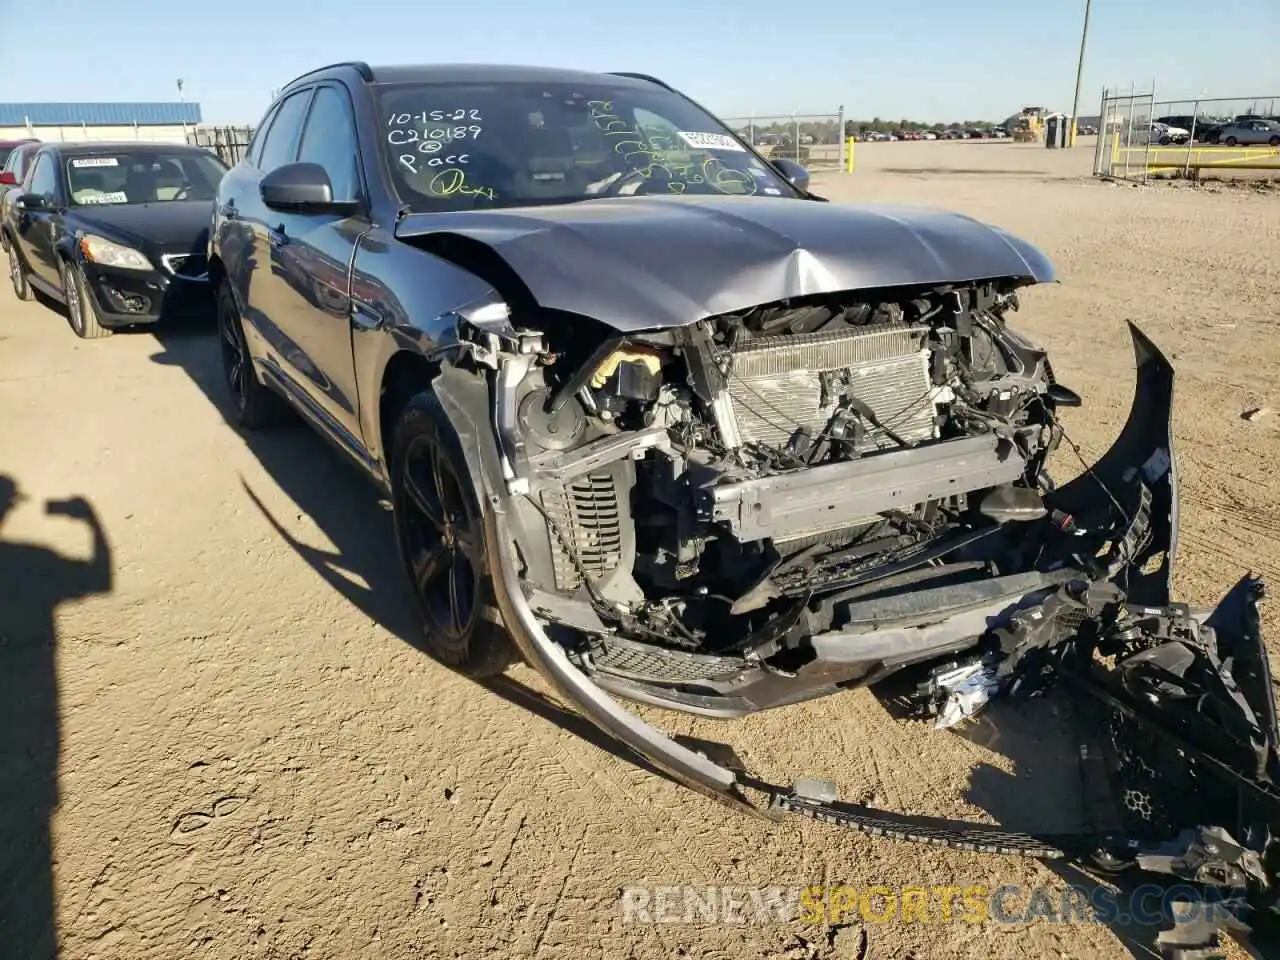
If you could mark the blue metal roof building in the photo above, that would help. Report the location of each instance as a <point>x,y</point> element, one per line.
<point>97,114</point>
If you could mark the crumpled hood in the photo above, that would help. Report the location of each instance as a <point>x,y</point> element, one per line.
<point>639,263</point>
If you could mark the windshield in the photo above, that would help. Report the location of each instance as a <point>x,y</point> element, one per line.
<point>142,176</point>
<point>454,146</point>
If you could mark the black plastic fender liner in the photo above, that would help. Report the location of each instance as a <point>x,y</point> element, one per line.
<point>465,399</point>
<point>1143,450</point>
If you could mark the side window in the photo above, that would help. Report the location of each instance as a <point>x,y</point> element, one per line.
<point>330,140</point>
<point>282,135</point>
<point>44,177</point>
<point>259,137</point>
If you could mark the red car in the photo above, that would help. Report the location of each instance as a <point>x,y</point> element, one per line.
<point>15,157</point>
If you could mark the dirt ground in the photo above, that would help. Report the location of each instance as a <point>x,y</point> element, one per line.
<point>218,742</point>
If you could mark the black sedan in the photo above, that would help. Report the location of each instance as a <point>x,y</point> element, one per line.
<point>116,231</point>
<point>658,419</point>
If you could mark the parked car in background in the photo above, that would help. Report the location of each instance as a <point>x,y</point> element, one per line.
<point>118,232</point>
<point>15,156</point>
<point>1183,120</point>
<point>1165,134</point>
<point>1251,132</point>
<point>8,146</point>
<point>1210,131</point>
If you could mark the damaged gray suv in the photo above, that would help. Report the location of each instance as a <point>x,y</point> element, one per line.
<point>659,420</point>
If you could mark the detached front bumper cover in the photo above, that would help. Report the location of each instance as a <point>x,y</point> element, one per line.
<point>1185,699</point>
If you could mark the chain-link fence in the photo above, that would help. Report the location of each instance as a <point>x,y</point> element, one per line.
<point>229,143</point>
<point>1139,136</point>
<point>813,139</point>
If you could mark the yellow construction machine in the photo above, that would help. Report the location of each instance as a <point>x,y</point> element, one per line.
<point>1027,126</point>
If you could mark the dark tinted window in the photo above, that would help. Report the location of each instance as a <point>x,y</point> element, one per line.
<point>455,146</point>
<point>44,177</point>
<point>259,138</point>
<point>330,140</point>
<point>282,135</point>
<point>4,157</point>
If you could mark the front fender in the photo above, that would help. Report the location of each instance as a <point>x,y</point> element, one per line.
<point>466,401</point>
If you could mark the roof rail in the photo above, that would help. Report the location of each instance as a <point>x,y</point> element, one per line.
<point>639,76</point>
<point>362,68</point>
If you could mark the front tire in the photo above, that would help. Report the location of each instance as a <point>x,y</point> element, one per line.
<point>1231,141</point>
<point>253,406</point>
<point>440,535</point>
<point>80,306</point>
<point>18,275</point>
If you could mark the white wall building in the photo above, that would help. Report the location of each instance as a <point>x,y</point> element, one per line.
<point>54,122</point>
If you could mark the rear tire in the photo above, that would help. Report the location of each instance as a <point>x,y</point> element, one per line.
<point>440,535</point>
<point>18,275</point>
<point>1274,142</point>
<point>80,306</point>
<point>1231,141</point>
<point>253,406</point>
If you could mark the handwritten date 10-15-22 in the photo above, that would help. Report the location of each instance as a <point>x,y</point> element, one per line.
<point>456,115</point>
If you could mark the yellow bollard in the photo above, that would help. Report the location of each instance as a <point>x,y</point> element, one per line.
<point>849,157</point>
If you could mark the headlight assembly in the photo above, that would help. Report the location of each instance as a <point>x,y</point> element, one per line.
<point>111,254</point>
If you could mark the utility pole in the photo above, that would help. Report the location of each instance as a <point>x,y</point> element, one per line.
<point>182,100</point>
<point>1075,101</point>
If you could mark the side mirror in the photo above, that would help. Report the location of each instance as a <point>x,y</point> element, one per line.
<point>302,188</point>
<point>795,173</point>
<point>8,178</point>
<point>30,201</point>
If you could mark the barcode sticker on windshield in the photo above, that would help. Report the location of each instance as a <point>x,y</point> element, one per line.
<point>96,162</point>
<point>711,141</point>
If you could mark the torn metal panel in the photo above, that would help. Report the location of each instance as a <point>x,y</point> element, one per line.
<point>660,262</point>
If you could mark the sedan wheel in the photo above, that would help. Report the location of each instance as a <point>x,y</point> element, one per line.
<point>80,308</point>
<point>1231,141</point>
<point>21,289</point>
<point>1274,141</point>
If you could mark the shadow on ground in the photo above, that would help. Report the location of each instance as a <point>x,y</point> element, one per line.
<point>364,565</point>
<point>34,581</point>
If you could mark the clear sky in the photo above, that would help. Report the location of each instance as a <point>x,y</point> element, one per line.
<point>922,59</point>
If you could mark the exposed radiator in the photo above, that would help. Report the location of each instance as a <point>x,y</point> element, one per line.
<point>776,385</point>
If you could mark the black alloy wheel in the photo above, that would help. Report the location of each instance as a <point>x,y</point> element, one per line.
<point>233,351</point>
<point>440,532</point>
<point>253,405</point>
<point>442,542</point>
